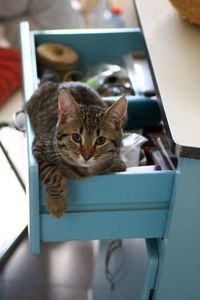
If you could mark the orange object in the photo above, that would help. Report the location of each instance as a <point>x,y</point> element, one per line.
<point>10,72</point>
<point>116,10</point>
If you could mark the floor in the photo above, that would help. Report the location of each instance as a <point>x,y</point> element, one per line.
<point>62,270</point>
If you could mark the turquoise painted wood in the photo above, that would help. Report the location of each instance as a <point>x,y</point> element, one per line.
<point>120,191</point>
<point>119,202</point>
<point>151,272</point>
<point>104,207</point>
<point>104,225</point>
<point>179,267</point>
<point>34,210</point>
<point>95,46</point>
<point>29,85</point>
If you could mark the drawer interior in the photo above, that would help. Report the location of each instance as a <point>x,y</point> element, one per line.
<point>107,46</point>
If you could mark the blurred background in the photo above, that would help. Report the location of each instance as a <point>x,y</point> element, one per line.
<point>60,14</point>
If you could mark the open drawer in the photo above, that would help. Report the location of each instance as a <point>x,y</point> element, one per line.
<point>118,205</point>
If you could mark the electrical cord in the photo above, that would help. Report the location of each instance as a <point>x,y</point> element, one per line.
<point>5,124</point>
<point>112,276</point>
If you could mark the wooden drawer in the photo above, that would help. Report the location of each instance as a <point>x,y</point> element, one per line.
<point>118,205</point>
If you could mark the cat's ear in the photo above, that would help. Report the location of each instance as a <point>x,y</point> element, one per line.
<point>117,111</point>
<point>67,105</point>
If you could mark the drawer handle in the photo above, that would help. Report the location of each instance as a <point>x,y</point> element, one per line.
<point>19,123</point>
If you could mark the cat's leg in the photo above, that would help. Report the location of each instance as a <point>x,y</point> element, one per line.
<point>56,188</point>
<point>118,166</point>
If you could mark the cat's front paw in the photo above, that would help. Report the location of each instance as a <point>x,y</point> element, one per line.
<point>118,166</point>
<point>56,208</point>
<point>121,167</point>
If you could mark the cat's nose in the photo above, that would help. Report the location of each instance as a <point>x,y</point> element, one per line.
<point>87,152</point>
<point>87,156</point>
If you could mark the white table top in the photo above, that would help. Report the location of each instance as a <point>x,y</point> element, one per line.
<point>174,49</point>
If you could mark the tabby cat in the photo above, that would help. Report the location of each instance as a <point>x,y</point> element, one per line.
<point>76,136</point>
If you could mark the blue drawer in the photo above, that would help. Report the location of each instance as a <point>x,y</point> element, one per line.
<point>110,206</point>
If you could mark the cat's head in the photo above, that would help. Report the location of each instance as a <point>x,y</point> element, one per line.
<point>88,135</point>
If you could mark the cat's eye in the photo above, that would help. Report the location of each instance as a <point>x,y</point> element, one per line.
<point>100,140</point>
<point>76,137</point>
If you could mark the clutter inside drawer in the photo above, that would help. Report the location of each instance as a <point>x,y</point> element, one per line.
<point>144,143</point>
<point>128,75</point>
<point>147,148</point>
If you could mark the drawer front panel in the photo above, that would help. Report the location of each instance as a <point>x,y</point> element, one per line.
<point>119,191</point>
<point>104,225</point>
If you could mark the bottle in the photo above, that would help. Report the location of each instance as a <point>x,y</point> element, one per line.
<point>114,17</point>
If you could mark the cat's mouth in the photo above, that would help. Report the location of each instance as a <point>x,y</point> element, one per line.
<point>85,163</point>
